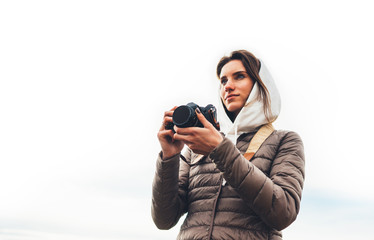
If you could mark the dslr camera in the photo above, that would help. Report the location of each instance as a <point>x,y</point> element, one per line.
<point>184,116</point>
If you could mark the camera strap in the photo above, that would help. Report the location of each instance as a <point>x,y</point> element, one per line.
<point>196,159</point>
<point>262,134</point>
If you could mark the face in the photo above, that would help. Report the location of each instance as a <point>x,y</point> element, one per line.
<point>236,85</point>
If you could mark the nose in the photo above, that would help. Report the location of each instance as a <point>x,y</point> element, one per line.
<point>229,86</point>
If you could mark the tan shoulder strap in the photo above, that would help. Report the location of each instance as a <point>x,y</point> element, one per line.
<point>262,134</point>
<point>197,159</point>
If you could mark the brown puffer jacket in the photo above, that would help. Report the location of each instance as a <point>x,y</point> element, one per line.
<point>261,196</point>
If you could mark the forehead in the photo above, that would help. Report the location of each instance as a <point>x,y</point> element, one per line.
<point>232,67</point>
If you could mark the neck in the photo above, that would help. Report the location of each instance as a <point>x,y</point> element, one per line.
<point>231,115</point>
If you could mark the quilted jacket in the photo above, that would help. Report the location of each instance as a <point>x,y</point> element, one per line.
<point>259,199</point>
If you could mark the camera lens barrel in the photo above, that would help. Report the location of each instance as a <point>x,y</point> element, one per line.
<point>184,116</point>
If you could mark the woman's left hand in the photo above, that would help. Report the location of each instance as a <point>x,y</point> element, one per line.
<point>199,140</point>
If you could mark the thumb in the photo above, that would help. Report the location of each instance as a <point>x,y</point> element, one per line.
<point>202,119</point>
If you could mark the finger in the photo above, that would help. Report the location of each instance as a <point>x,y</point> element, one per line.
<point>170,112</point>
<point>184,131</point>
<point>202,119</point>
<point>167,118</point>
<point>165,133</point>
<point>165,122</point>
<point>180,137</point>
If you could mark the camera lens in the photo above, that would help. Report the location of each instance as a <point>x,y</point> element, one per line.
<point>184,116</point>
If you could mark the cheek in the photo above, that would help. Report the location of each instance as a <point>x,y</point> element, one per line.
<point>222,93</point>
<point>249,88</point>
<point>222,96</point>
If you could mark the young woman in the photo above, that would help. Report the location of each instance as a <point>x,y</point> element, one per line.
<point>226,193</point>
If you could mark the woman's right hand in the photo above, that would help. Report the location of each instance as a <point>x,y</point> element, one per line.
<point>169,146</point>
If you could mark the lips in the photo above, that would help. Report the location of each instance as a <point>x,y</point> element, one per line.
<point>231,96</point>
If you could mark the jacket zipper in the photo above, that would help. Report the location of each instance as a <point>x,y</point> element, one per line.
<point>214,208</point>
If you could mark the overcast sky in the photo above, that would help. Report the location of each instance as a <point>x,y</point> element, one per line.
<point>84,84</point>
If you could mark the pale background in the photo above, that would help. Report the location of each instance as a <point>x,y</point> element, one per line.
<point>84,85</point>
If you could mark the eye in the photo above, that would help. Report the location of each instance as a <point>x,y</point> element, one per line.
<point>223,81</point>
<point>240,76</point>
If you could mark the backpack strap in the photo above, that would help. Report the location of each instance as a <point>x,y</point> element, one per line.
<point>262,134</point>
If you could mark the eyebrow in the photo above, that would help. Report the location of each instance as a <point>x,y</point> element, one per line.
<point>239,72</point>
<point>235,73</point>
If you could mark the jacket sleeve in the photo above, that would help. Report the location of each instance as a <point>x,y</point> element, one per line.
<point>275,199</point>
<point>169,191</point>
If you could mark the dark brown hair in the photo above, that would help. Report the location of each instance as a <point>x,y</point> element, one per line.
<point>252,66</point>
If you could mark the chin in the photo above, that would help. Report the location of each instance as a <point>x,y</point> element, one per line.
<point>233,107</point>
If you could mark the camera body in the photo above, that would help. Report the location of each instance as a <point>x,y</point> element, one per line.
<point>184,116</point>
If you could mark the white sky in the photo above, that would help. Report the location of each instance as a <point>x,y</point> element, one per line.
<point>83,86</point>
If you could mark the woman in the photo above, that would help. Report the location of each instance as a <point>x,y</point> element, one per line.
<point>225,195</point>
